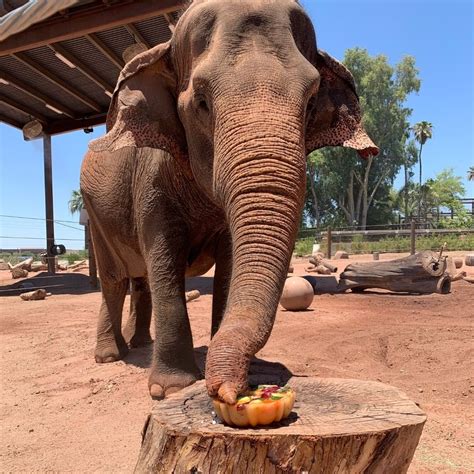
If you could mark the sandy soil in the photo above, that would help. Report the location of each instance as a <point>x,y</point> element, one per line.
<point>62,412</point>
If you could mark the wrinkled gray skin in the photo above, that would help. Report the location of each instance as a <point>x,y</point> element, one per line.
<point>203,163</point>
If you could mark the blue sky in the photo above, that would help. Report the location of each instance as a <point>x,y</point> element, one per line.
<point>437,33</point>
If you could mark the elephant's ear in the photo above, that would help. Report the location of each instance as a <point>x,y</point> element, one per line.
<point>143,111</point>
<point>335,116</point>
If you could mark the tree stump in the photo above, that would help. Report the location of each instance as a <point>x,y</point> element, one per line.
<point>337,425</point>
<point>19,273</point>
<point>424,272</point>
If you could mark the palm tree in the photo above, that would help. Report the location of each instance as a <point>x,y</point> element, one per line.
<point>470,173</point>
<point>76,204</point>
<point>423,131</point>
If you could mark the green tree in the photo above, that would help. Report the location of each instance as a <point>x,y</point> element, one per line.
<point>76,203</point>
<point>470,173</point>
<point>318,205</point>
<point>410,158</point>
<point>446,190</point>
<point>360,187</point>
<point>423,131</point>
<point>406,201</point>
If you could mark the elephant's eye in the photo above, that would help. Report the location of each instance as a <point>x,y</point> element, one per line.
<point>202,104</point>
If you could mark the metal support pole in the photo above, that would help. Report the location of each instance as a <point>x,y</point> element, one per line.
<point>329,234</point>
<point>413,236</point>
<point>48,198</point>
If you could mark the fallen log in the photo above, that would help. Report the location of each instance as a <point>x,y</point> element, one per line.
<point>322,270</point>
<point>77,265</point>
<point>459,276</point>
<point>24,264</point>
<point>336,425</point>
<point>38,267</point>
<point>192,295</point>
<point>424,272</point>
<point>319,261</point>
<point>39,294</point>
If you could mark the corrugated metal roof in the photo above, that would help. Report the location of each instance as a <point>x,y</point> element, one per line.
<point>96,72</point>
<point>154,30</point>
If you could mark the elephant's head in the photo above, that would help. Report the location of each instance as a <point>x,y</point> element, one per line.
<point>239,96</point>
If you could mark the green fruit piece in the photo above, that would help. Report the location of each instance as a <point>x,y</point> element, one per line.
<point>257,400</point>
<point>244,399</point>
<point>276,396</point>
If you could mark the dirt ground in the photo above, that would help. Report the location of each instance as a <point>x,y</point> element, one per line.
<point>62,412</point>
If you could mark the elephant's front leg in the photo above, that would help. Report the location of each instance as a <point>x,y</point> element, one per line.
<point>173,365</point>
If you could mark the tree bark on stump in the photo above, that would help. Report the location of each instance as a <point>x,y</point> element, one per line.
<point>337,425</point>
<point>424,272</point>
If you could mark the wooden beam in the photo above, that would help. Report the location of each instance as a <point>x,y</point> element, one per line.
<point>27,89</point>
<point>24,109</point>
<point>86,70</point>
<point>88,22</point>
<point>38,68</point>
<point>136,35</point>
<point>68,125</point>
<point>105,50</point>
<point>171,23</point>
<point>9,121</point>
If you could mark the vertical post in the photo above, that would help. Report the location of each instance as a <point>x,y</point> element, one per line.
<point>48,199</point>
<point>413,236</point>
<point>329,242</point>
<point>92,263</point>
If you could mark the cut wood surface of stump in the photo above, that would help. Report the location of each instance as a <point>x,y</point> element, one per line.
<point>337,426</point>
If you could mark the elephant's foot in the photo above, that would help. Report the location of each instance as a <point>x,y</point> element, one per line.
<point>163,384</point>
<point>137,337</point>
<point>110,352</point>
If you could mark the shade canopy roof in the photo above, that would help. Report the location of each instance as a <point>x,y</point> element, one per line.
<point>62,70</point>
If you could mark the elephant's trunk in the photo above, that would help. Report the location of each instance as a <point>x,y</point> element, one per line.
<point>260,179</point>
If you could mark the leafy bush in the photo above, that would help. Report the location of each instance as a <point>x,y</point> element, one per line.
<point>392,244</point>
<point>78,255</point>
<point>304,246</point>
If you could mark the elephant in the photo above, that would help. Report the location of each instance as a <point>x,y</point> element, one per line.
<point>204,163</point>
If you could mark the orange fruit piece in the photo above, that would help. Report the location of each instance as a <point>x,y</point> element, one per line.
<point>258,407</point>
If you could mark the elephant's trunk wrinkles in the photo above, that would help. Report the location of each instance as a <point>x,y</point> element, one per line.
<point>260,178</point>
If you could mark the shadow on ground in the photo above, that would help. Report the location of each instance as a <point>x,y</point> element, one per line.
<point>201,283</point>
<point>58,284</point>
<point>261,371</point>
<point>78,284</point>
